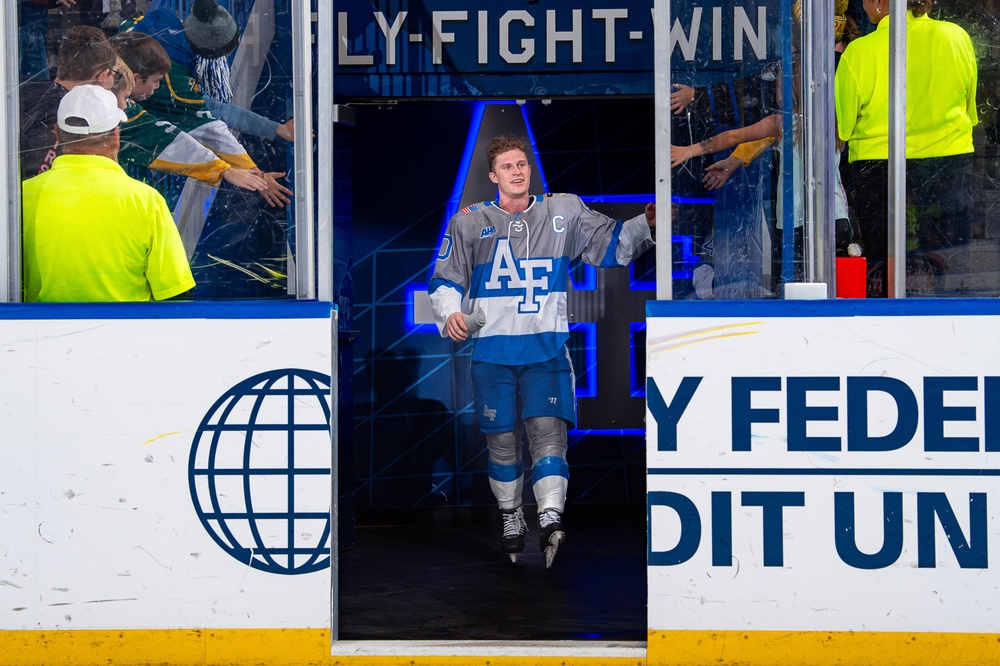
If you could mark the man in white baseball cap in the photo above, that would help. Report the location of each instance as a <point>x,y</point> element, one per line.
<point>92,233</point>
<point>85,110</point>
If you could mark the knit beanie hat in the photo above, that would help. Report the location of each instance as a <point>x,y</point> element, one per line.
<point>212,34</point>
<point>211,30</point>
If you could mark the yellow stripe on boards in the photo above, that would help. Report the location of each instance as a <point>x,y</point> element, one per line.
<point>177,647</point>
<point>819,648</point>
<point>233,647</point>
<point>180,647</point>
<point>480,660</point>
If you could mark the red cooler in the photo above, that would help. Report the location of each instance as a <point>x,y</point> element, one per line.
<point>851,277</point>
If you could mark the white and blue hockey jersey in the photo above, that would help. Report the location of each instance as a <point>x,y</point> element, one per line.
<point>515,267</point>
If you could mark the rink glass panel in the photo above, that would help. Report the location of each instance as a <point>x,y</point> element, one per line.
<point>959,256</point>
<point>733,57</point>
<point>239,246</point>
<point>746,236</point>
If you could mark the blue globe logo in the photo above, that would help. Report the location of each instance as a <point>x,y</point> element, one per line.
<point>260,471</point>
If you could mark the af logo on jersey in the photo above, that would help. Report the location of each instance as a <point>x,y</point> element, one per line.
<point>529,278</point>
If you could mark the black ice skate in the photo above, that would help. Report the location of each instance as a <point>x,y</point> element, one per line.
<point>550,534</point>
<point>512,537</point>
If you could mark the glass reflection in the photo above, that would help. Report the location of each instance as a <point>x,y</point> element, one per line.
<point>941,84</point>
<point>736,115</point>
<point>952,237</point>
<point>207,90</point>
<point>737,202</point>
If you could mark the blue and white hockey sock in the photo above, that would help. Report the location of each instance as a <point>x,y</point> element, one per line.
<point>547,441</point>
<point>550,481</point>
<point>506,470</point>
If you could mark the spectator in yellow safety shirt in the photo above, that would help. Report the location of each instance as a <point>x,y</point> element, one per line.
<point>92,233</point>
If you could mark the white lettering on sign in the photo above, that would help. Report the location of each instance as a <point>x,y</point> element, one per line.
<point>514,32</point>
<point>743,31</point>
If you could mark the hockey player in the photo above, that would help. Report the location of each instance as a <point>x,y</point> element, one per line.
<point>510,257</point>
